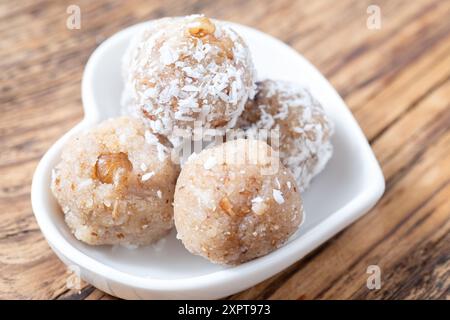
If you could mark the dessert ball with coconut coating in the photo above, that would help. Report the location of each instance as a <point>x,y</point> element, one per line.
<point>304,130</point>
<point>115,184</point>
<point>185,71</point>
<point>236,202</point>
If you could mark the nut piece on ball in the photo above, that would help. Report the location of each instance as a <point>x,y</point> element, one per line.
<point>187,71</point>
<point>236,202</point>
<point>115,184</point>
<point>303,127</point>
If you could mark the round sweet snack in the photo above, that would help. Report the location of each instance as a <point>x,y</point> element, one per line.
<point>115,184</point>
<point>185,72</point>
<point>304,130</point>
<point>236,202</point>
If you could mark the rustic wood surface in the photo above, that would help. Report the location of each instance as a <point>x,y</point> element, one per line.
<point>396,81</point>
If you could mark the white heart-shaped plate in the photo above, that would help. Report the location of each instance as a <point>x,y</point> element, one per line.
<point>349,186</point>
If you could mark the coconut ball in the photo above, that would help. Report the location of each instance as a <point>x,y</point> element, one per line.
<point>303,129</point>
<point>115,184</point>
<point>235,202</point>
<point>185,72</point>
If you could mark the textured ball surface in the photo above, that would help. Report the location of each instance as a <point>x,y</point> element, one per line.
<point>184,70</point>
<point>115,184</point>
<point>236,202</point>
<point>304,130</point>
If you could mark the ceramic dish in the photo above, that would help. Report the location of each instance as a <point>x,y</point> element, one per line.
<point>349,186</point>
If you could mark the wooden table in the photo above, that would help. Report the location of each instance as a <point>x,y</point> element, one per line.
<point>395,80</point>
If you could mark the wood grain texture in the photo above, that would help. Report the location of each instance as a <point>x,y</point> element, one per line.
<point>396,81</point>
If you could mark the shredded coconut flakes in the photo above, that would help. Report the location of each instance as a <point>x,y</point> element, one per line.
<point>147,176</point>
<point>209,163</point>
<point>278,196</point>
